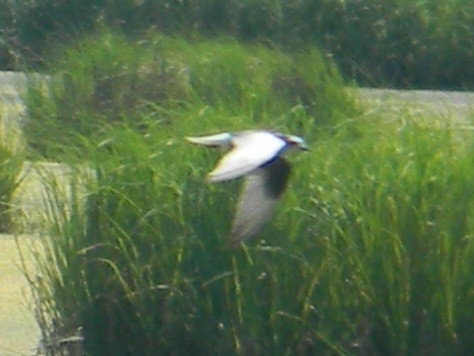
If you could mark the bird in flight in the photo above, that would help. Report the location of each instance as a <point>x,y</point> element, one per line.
<point>257,156</point>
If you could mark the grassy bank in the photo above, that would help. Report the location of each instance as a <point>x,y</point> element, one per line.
<point>370,251</point>
<point>108,81</point>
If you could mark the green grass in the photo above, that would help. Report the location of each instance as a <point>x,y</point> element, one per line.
<point>108,80</point>
<point>11,163</point>
<point>370,250</point>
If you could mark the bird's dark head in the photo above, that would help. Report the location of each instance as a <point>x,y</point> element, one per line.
<point>296,142</point>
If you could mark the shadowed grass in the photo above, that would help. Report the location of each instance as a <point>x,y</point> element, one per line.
<point>370,251</point>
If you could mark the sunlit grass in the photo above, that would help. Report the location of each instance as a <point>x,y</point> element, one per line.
<point>11,162</point>
<point>370,250</point>
<point>109,80</point>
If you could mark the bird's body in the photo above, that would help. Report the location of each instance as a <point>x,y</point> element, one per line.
<point>256,155</point>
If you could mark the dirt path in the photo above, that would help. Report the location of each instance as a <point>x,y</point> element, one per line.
<point>456,105</point>
<point>19,334</point>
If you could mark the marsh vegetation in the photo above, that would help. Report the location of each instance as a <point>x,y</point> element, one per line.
<point>370,252</point>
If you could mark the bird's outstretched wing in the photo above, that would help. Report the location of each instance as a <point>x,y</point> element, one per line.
<point>260,193</point>
<point>250,150</point>
<point>221,139</point>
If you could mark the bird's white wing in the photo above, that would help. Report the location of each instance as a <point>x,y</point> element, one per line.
<point>222,139</point>
<point>250,150</point>
<point>261,191</point>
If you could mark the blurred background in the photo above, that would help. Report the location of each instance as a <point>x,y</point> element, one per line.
<point>390,43</point>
